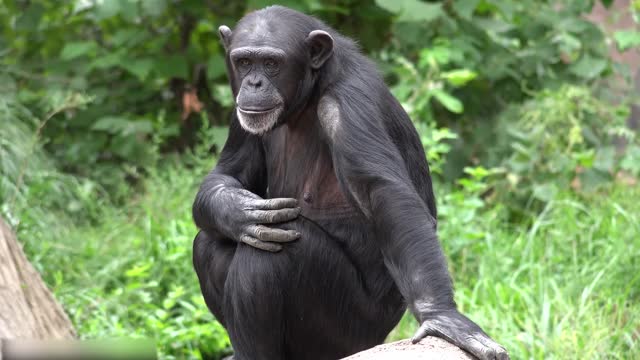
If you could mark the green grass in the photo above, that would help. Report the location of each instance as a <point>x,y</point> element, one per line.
<point>131,275</point>
<point>567,287</point>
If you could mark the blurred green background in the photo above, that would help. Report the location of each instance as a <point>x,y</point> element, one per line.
<point>112,112</point>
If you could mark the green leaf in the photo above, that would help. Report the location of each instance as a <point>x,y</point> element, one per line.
<point>459,77</point>
<point>111,124</point>
<point>449,102</point>
<point>593,178</point>
<point>216,66</point>
<point>465,8</point>
<point>496,26</point>
<point>122,125</point>
<point>139,127</point>
<point>631,160</point>
<point>29,18</point>
<point>545,192</point>
<point>108,8</point>
<point>171,66</point>
<point>627,39</point>
<point>106,61</point>
<point>138,270</point>
<point>605,159</point>
<point>123,36</point>
<point>574,25</point>
<point>222,94</point>
<point>606,3</point>
<point>439,54</point>
<point>588,67</point>
<point>138,67</point>
<point>219,135</point>
<point>412,10</point>
<point>153,8</point>
<point>77,49</point>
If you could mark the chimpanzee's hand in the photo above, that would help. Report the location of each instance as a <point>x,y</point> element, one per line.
<point>462,332</point>
<point>241,215</point>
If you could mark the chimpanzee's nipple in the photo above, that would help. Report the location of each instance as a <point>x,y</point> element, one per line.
<point>307,197</point>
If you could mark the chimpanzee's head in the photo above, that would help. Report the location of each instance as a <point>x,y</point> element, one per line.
<point>273,57</point>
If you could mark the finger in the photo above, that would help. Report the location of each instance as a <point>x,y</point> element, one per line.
<point>264,233</point>
<point>502,354</point>
<point>432,328</point>
<point>478,349</point>
<point>423,331</point>
<point>248,194</point>
<point>276,204</point>
<point>491,349</point>
<point>266,246</point>
<point>274,216</point>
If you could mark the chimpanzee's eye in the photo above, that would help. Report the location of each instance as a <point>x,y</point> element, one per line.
<point>244,62</point>
<point>270,64</point>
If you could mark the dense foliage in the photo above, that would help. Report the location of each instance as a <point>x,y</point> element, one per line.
<point>111,112</point>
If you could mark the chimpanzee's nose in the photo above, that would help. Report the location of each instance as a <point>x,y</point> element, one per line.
<point>255,82</point>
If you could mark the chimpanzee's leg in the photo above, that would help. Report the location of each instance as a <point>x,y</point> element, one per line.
<point>340,298</point>
<point>309,301</point>
<point>212,255</point>
<point>238,287</point>
<point>253,303</point>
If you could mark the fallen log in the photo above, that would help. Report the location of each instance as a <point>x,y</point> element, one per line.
<point>28,310</point>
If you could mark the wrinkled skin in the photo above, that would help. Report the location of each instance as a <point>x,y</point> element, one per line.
<point>459,330</point>
<point>245,216</point>
<point>318,224</point>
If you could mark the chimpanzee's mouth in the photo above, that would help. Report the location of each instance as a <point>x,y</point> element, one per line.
<point>257,111</point>
<point>259,120</point>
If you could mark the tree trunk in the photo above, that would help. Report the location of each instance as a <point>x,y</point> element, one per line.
<point>429,348</point>
<point>27,308</point>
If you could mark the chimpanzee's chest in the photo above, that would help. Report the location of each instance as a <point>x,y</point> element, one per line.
<point>299,165</point>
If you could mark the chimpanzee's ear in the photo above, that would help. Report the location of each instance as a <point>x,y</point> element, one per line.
<point>225,35</point>
<point>320,45</point>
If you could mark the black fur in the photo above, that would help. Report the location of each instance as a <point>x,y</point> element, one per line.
<point>368,245</point>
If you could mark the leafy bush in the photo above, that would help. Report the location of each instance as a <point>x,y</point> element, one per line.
<point>149,66</point>
<point>34,194</point>
<point>558,140</point>
<point>487,55</point>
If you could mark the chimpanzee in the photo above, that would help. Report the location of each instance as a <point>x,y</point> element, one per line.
<point>318,224</point>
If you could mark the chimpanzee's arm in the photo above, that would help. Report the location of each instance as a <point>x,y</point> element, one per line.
<point>228,200</point>
<point>372,171</point>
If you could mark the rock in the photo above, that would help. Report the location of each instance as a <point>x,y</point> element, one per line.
<point>429,348</point>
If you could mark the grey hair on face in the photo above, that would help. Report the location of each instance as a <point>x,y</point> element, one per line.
<point>258,122</point>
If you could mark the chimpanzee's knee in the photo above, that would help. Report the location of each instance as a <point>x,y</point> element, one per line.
<point>212,255</point>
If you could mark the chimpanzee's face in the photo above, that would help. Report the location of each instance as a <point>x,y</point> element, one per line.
<point>270,68</point>
<point>262,74</point>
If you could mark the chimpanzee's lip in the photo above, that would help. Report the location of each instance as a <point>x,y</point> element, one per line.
<point>256,111</point>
